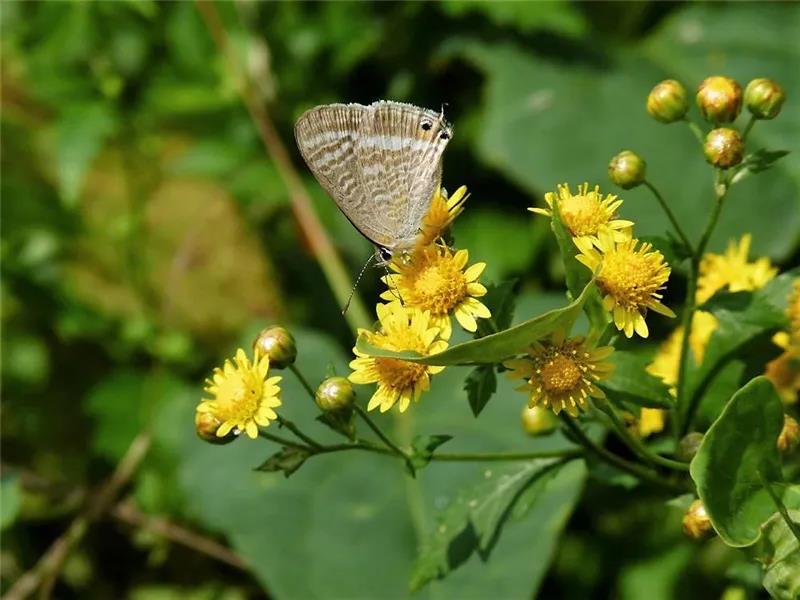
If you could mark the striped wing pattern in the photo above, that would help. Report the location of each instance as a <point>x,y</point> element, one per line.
<point>378,163</point>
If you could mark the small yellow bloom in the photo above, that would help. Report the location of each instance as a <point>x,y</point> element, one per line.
<point>441,214</point>
<point>437,281</point>
<point>666,362</point>
<point>784,373</point>
<point>651,420</point>
<point>243,396</point>
<point>561,373</point>
<point>587,214</point>
<point>630,279</point>
<point>793,310</point>
<point>398,380</point>
<point>732,270</point>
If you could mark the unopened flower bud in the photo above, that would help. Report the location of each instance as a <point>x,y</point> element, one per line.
<point>696,522</point>
<point>627,170</point>
<point>538,420</point>
<point>724,148</point>
<point>206,425</point>
<point>335,393</point>
<point>667,101</point>
<point>789,436</point>
<point>277,343</point>
<point>764,98</point>
<point>719,99</point>
<point>688,445</point>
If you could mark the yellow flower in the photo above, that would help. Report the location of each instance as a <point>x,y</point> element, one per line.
<point>398,380</point>
<point>243,396</point>
<point>435,280</point>
<point>441,214</point>
<point>629,278</point>
<point>732,270</point>
<point>784,373</point>
<point>793,310</point>
<point>587,214</point>
<point>651,420</point>
<point>665,363</point>
<point>561,373</point>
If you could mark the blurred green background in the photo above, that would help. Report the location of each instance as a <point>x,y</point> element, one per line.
<point>146,234</point>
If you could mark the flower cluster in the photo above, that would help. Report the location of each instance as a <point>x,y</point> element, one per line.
<point>426,289</point>
<point>629,273</point>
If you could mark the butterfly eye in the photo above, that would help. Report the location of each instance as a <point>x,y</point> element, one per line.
<point>426,125</point>
<point>385,254</point>
<point>444,136</point>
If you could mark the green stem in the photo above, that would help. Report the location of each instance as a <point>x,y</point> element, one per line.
<point>280,440</point>
<point>504,456</point>
<point>687,407</point>
<point>636,445</point>
<point>296,430</point>
<point>793,527</point>
<point>629,467</point>
<point>665,207</point>
<point>748,127</point>
<point>696,130</point>
<point>377,430</point>
<point>303,381</point>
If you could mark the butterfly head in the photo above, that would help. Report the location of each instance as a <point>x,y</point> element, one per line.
<point>434,127</point>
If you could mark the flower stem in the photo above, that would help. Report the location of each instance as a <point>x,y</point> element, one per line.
<point>748,127</point>
<point>671,216</point>
<point>303,381</point>
<point>687,407</point>
<point>634,469</point>
<point>296,430</point>
<point>280,440</point>
<point>377,430</point>
<point>696,130</point>
<point>635,444</point>
<point>793,527</point>
<point>504,456</point>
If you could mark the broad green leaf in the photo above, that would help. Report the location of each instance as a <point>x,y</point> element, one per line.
<point>762,159</point>
<point>496,347</point>
<point>549,15</point>
<point>286,460</point>
<point>631,382</point>
<point>500,298</point>
<point>10,499</point>
<point>778,550</point>
<point>81,132</point>
<point>422,448</point>
<point>737,458</point>
<point>472,522</point>
<point>742,318</point>
<point>656,577</point>
<point>480,384</point>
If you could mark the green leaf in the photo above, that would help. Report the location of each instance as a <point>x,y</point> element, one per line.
<point>423,446</point>
<point>81,132</point>
<point>472,522</point>
<point>500,299</point>
<point>10,499</point>
<point>737,458</point>
<point>631,382</point>
<point>480,384</point>
<point>341,421</point>
<point>743,317</point>
<point>287,459</point>
<point>762,159</point>
<point>493,348</point>
<point>778,550</point>
<point>559,17</point>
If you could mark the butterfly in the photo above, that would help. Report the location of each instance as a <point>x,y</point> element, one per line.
<point>380,163</point>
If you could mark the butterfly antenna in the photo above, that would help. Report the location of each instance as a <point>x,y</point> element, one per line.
<point>396,290</point>
<point>355,285</point>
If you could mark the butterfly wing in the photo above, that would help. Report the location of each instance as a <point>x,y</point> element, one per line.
<point>327,137</point>
<point>398,152</point>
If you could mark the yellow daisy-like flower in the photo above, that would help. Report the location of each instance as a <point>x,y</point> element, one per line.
<point>793,310</point>
<point>441,214</point>
<point>561,373</point>
<point>784,373</point>
<point>437,281</point>
<point>732,270</point>
<point>651,420</point>
<point>243,396</point>
<point>666,362</point>
<point>587,213</point>
<point>398,380</point>
<point>630,277</point>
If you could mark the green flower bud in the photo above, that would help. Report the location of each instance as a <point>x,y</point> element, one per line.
<point>627,170</point>
<point>277,343</point>
<point>764,98</point>
<point>724,148</point>
<point>688,445</point>
<point>538,420</point>
<point>335,393</point>
<point>696,522</point>
<point>206,425</point>
<point>719,99</point>
<point>667,101</point>
<point>789,436</point>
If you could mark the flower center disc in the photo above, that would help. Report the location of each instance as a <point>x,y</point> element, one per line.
<point>398,373</point>
<point>629,278</point>
<point>440,287</point>
<point>560,375</point>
